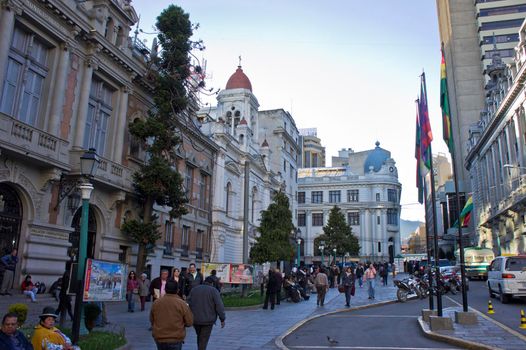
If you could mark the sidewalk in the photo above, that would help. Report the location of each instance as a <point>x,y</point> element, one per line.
<point>487,334</point>
<point>245,329</point>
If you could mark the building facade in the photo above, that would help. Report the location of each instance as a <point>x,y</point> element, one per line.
<point>368,192</point>
<point>312,152</point>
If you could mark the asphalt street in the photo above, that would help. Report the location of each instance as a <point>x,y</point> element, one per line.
<point>393,326</point>
<point>507,314</point>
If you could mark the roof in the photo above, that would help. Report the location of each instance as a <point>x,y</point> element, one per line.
<point>238,80</point>
<point>376,159</point>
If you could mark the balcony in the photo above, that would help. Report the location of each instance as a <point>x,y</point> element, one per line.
<point>109,173</point>
<point>30,142</point>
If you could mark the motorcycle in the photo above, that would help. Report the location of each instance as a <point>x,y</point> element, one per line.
<point>406,287</point>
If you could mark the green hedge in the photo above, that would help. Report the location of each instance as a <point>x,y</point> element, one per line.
<point>235,300</point>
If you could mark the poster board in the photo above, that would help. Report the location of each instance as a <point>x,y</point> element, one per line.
<point>105,281</point>
<point>222,270</point>
<point>230,273</point>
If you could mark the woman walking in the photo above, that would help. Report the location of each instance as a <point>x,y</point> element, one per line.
<point>132,290</point>
<point>180,280</point>
<point>348,284</point>
<point>144,289</point>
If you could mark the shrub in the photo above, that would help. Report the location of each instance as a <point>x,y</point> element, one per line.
<point>21,311</point>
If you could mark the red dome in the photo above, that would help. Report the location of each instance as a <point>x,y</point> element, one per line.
<point>239,80</point>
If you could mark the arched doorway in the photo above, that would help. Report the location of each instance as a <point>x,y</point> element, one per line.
<point>391,250</point>
<point>74,237</point>
<point>10,218</point>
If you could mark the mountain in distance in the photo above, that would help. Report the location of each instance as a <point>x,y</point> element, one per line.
<point>407,227</point>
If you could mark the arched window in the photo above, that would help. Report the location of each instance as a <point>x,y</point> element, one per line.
<point>229,118</point>
<point>237,118</point>
<point>228,203</point>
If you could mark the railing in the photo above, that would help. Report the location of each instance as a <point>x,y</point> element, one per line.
<point>27,139</point>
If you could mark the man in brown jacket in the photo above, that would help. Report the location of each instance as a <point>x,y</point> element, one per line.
<point>322,285</point>
<point>169,316</point>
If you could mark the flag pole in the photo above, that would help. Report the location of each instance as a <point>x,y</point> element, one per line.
<point>428,249</point>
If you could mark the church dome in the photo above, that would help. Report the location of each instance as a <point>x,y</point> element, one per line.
<point>239,80</point>
<point>376,159</point>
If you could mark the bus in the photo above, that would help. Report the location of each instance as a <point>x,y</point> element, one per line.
<point>477,260</point>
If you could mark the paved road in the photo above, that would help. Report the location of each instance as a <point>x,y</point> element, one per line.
<point>507,314</point>
<point>392,326</point>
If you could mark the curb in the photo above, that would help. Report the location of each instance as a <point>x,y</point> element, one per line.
<point>279,340</point>
<point>466,344</point>
<point>241,308</point>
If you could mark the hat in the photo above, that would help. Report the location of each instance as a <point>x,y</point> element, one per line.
<point>48,311</point>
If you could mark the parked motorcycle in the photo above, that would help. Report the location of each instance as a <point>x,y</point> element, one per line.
<point>406,287</point>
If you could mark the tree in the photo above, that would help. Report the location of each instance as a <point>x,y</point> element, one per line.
<point>338,234</point>
<point>158,181</point>
<point>274,244</point>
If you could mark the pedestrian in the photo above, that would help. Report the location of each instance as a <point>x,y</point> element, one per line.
<point>370,277</point>
<point>272,289</point>
<point>359,274</point>
<point>383,274</point>
<point>8,262</point>
<point>169,317</point>
<point>54,290</point>
<point>10,337</point>
<point>217,281</point>
<point>46,336</point>
<point>322,286</point>
<point>144,289</point>
<point>206,305</point>
<point>157,287</point>
<point>29,289</point>
<point>180,280</point>
<point>348,284</point>
<point>279,284</point>
<point>132,290</point>
<point>64,301</point>
<point>193,279</point>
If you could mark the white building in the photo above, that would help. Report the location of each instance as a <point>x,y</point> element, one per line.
<point>365,186</point>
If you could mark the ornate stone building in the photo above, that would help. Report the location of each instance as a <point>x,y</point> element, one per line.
<point>365,186</point>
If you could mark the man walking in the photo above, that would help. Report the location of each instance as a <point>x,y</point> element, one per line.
<point>272,289</point>
<point>359,274</point>
<point>322,286</point>
<point>370,276</point>
<point>206,305</point>
<point>9,262</point>
<point>158,285</point>
<point>169,316</point>
<point>193,279</point>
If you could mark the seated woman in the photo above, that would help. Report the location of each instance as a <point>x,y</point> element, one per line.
<point>47,336</point>
<point>29,289</point>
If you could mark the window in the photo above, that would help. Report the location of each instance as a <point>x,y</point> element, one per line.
<point>168,232</point>
<point>506,38</point>
<point>317,219</point>
<point>504,10</point>
<point>378,220</point>
<point>391,195</point>
<point>315,160</point>
<point>353,218</point>
<point>379,247</point>
<point>27,68</point>
<point>284,166</point>
<point>188,181</point>
<point>254,203</point>
<point>228,192</point>
<point>202,190</point>
<point>316,196</point>
<point>502,53</point>
<point>334,196</point>
<point>302,218</point>
<point>185,237</point>
<point>291,171</point>
<point>123,255</point>
<point>99,112</point>
<point>353,195</point>
<point>392,216</point>
<point>301,197</point>
<point>306,157</point>
<point>501,24</point>
<point>199,239</point>
<point>378,197</point>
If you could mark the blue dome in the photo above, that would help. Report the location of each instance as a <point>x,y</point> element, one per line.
<point>376,159</point>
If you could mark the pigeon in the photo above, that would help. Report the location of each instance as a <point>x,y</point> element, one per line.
<point>331,341</point>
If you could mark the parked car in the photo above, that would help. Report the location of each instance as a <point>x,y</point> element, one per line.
<point>507,277</point>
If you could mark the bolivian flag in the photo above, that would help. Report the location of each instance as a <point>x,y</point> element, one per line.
<point>465,215</point>
<point>444,104</point>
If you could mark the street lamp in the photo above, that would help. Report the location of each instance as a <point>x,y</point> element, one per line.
<point>298,241</point>
<point>88,165</point>
<point>334,251</point>
<point>321,248</point>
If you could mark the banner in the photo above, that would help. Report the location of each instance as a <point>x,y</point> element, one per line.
<point>222,271</point>
<point>230,273</point>
<point>105,281</point>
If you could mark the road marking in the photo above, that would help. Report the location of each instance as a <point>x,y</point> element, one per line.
<point>363,347</point>
<point>375,316</point>
<point>503,326</point>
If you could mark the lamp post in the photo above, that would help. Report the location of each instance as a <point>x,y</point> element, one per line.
<point>88,165</point>
<point>298,241</point>
<point>321,248</point>
<point>334,252</point>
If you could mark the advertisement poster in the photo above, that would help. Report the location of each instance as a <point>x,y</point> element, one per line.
<point>105,281</point>
<point>241,274</point>
<point>223,271</point>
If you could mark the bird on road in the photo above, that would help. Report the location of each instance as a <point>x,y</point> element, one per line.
<point>331,341</point>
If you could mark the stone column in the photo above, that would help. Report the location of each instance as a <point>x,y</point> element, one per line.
<point>57,102</point>
<point>309,244</point>
<point>362,234</point>
<point>121,125</point>
<point>7,26</point>
<point>82,110</point>
<point>367,233</point>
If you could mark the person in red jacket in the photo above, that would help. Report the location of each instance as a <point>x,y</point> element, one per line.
<point>29,289</point>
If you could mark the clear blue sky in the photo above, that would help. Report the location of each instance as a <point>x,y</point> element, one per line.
<point>349,68</point>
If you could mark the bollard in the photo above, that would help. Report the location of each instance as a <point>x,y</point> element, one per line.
<point>490,308</point>
<point>523,320</point>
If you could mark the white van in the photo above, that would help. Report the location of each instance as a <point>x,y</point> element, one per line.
<point>507,277</point>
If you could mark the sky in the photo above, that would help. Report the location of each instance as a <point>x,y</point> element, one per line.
<point>349,68</point>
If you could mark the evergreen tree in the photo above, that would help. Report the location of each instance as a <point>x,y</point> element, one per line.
<point>338,234</point>
<point>158,181</point>
<point>274,242</point>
